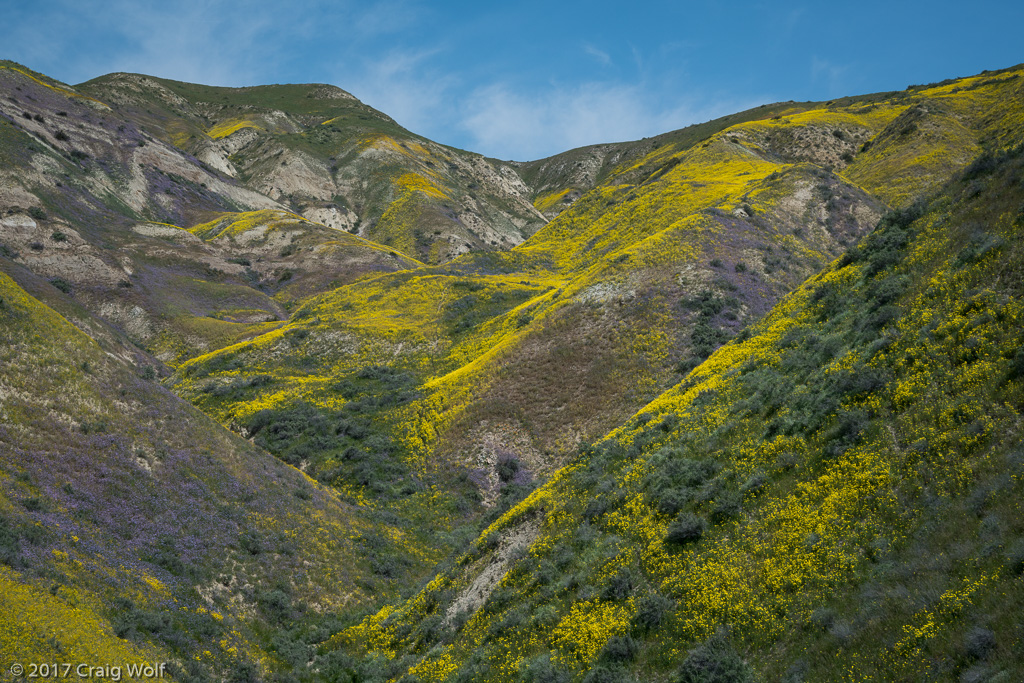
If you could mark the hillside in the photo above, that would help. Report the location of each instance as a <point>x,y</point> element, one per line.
<point>835,495</point>
<point>635,283</point>
<point>291,393</point>
<point>133,527</point>
<point>327,156</point>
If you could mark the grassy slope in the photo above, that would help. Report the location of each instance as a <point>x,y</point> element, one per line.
<point>124,512</point>
<point>526,354</point>
<point>840,489</point>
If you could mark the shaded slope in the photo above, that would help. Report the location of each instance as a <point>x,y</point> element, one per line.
<point>839,490</point>
<point>132,526</point>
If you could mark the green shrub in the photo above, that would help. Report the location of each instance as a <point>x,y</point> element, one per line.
<point>728,504</point>
<point>685,529</point>
<point>250,543</point>
<point>61,284</point>
<point>508,468</point>
<point>979,643</point>
<point>37,213</point>
<point>620,649</point>
<point>276,605</point>
<point>650,612</point>
<point>541,669</point>
<point>619,587</point>
<point>602,674</point>
<point>714,661</point>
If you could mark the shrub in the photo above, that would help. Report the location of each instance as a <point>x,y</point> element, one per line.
<point>685,529</point>
<point>620,586</point>
<point>508,468</point>
<point>37,213</point>
<point>164,554</point>
<point>10,544</point>
<point>755,483</point>
<point>61,284</point>
<point>979,643</point>
<point>58,236</point>
<point>601,674</point>
<point>822,619</point>
<point>250,543</point>
<point>740,267</point>
<point>276,604</point>
<point>650,613</point>
<point>705,339</point>
<point>1016,369</point>
<point>620,649</point>
<point>61,135</point>
<point>727,506</point>
<point>541,669</point>
<point>714,661</point>
<point>846,430</point>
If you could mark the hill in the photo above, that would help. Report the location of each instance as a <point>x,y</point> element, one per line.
<point>742,397</point>
<point>834,495</point>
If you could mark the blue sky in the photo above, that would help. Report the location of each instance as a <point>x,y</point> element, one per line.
<point>523,80</point>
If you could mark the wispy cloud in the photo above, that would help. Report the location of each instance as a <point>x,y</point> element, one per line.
<point>386,17</point>
<point>508,124</point>
<point>602,57</point>
<point>406,86</point>
<point>207,40</point>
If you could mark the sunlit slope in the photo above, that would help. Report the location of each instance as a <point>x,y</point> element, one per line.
<point>942,127</point>
<point>321,152</point>
<point>558,181</point>
<point>133,527</point>
<point>835,495</point>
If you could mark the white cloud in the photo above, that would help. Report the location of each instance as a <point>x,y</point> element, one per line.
<point>514,125</point>
<point>209,41</point>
